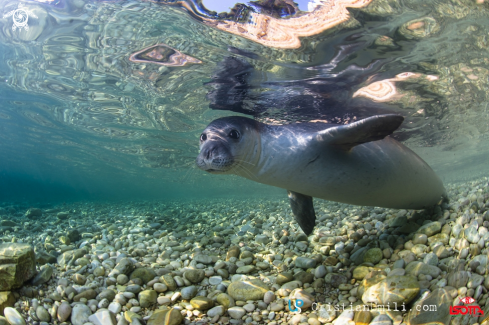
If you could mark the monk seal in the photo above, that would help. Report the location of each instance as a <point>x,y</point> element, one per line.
<point>356,163</point>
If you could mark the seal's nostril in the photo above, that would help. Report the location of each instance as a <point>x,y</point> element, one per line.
<point>208,153</point>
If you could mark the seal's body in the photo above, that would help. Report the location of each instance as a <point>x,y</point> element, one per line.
<point>356,163</point>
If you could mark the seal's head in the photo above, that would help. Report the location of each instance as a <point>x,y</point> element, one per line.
<point>226,142</point>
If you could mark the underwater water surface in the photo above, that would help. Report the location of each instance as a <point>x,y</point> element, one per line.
<point>107,99</point>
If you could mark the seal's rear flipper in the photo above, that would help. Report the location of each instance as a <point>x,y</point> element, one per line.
<point>303,210</point>
<point>370,129</point>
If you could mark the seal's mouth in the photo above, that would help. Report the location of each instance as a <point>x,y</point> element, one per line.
<point>217,165</point>
<point>214,161</point>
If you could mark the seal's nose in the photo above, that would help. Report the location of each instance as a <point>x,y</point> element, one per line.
<point>207,152</point>
<point>210,151</point>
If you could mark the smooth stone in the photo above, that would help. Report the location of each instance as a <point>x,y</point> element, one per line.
<point>134,288</point>
<point>79,279</point>
<point>43,276</point>
<point>345,318</point>
<point>194,276</point>
<point>472,234</point>
<point>236,312</point>
<point>416,268</point>
<point>216,311</point>
<point>394,289</point>
<point>143,273</point>
<point>431,259</point>
<point>215,280</point>
<point>423,313</point>
<point>474,281</point>
<point>284,277</point>
<point>373,255</point>
<point>225,300</point>
<point>64,311</point>
<point>124,266</point>
<point>163,300</point>
<point>262,239</point>
<point>420,239</point>
<point>43,314</point>
<point>13,316</point>
<point>336,279</point>
<point>115,307</point>
<point>122,279</point>
<point>357,256</point>
<point>201,258</point>
<point>147,298</point>
<point>289,286</point>
<point>87,294</point>
<point>160,287</point>
<point>168,317</point>
<point>233,251</point>
<point>306,297</point>
<point>249,307</point>
<point>3,321</point>
<point>277,306</point>
<point>167,279</point>
<point>80,314</point>
<point>247,290</point>
<point>106,294</point>
<point>99,271</point>
<point>305,262</point>
<point>360,272</point>
<point>320,271</point>
<point>458,279</point>
<point>103,317</point>
<point>188,292</point>
<point>381,320</point>
<point>202,303</point>
<point>132,317</point>
<point>362,317</point>
<point>245,269</point>
<point>430,229</point>
<point>269,297</point>
<point>398,221</point>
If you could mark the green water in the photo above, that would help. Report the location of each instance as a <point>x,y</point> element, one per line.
<point>80,120</point>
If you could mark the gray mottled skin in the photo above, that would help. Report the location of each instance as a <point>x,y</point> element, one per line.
<point>357,163</point>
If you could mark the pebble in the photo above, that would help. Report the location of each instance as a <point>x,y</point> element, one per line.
<point>64,311</point>
<point>189,292</point>
<point>236,312</point>
<point>215,311</point>
<point>13,316</point>
<point>269,297</point>
<point>80,314</point>
<point>103,317</point>
<point>305,262</point>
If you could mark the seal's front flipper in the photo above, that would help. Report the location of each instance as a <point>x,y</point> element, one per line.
<point>303,210</point>
<point>370,129</point>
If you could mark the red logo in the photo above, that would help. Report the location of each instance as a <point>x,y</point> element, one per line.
<point>476,311</point>
<point>467,300</point>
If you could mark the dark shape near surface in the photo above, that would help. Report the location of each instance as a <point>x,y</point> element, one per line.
<point>230,86</point>
<point>163,55</point>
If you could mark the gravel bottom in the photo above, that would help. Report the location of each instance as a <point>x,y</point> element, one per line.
<point>247,261</point>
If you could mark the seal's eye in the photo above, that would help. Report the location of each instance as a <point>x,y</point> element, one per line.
<point>234,134</point>
<point>203,137</point>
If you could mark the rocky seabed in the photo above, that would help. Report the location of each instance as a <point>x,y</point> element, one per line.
<point>246,262</point>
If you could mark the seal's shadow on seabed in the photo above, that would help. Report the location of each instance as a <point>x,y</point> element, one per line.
<point>358,163</point>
